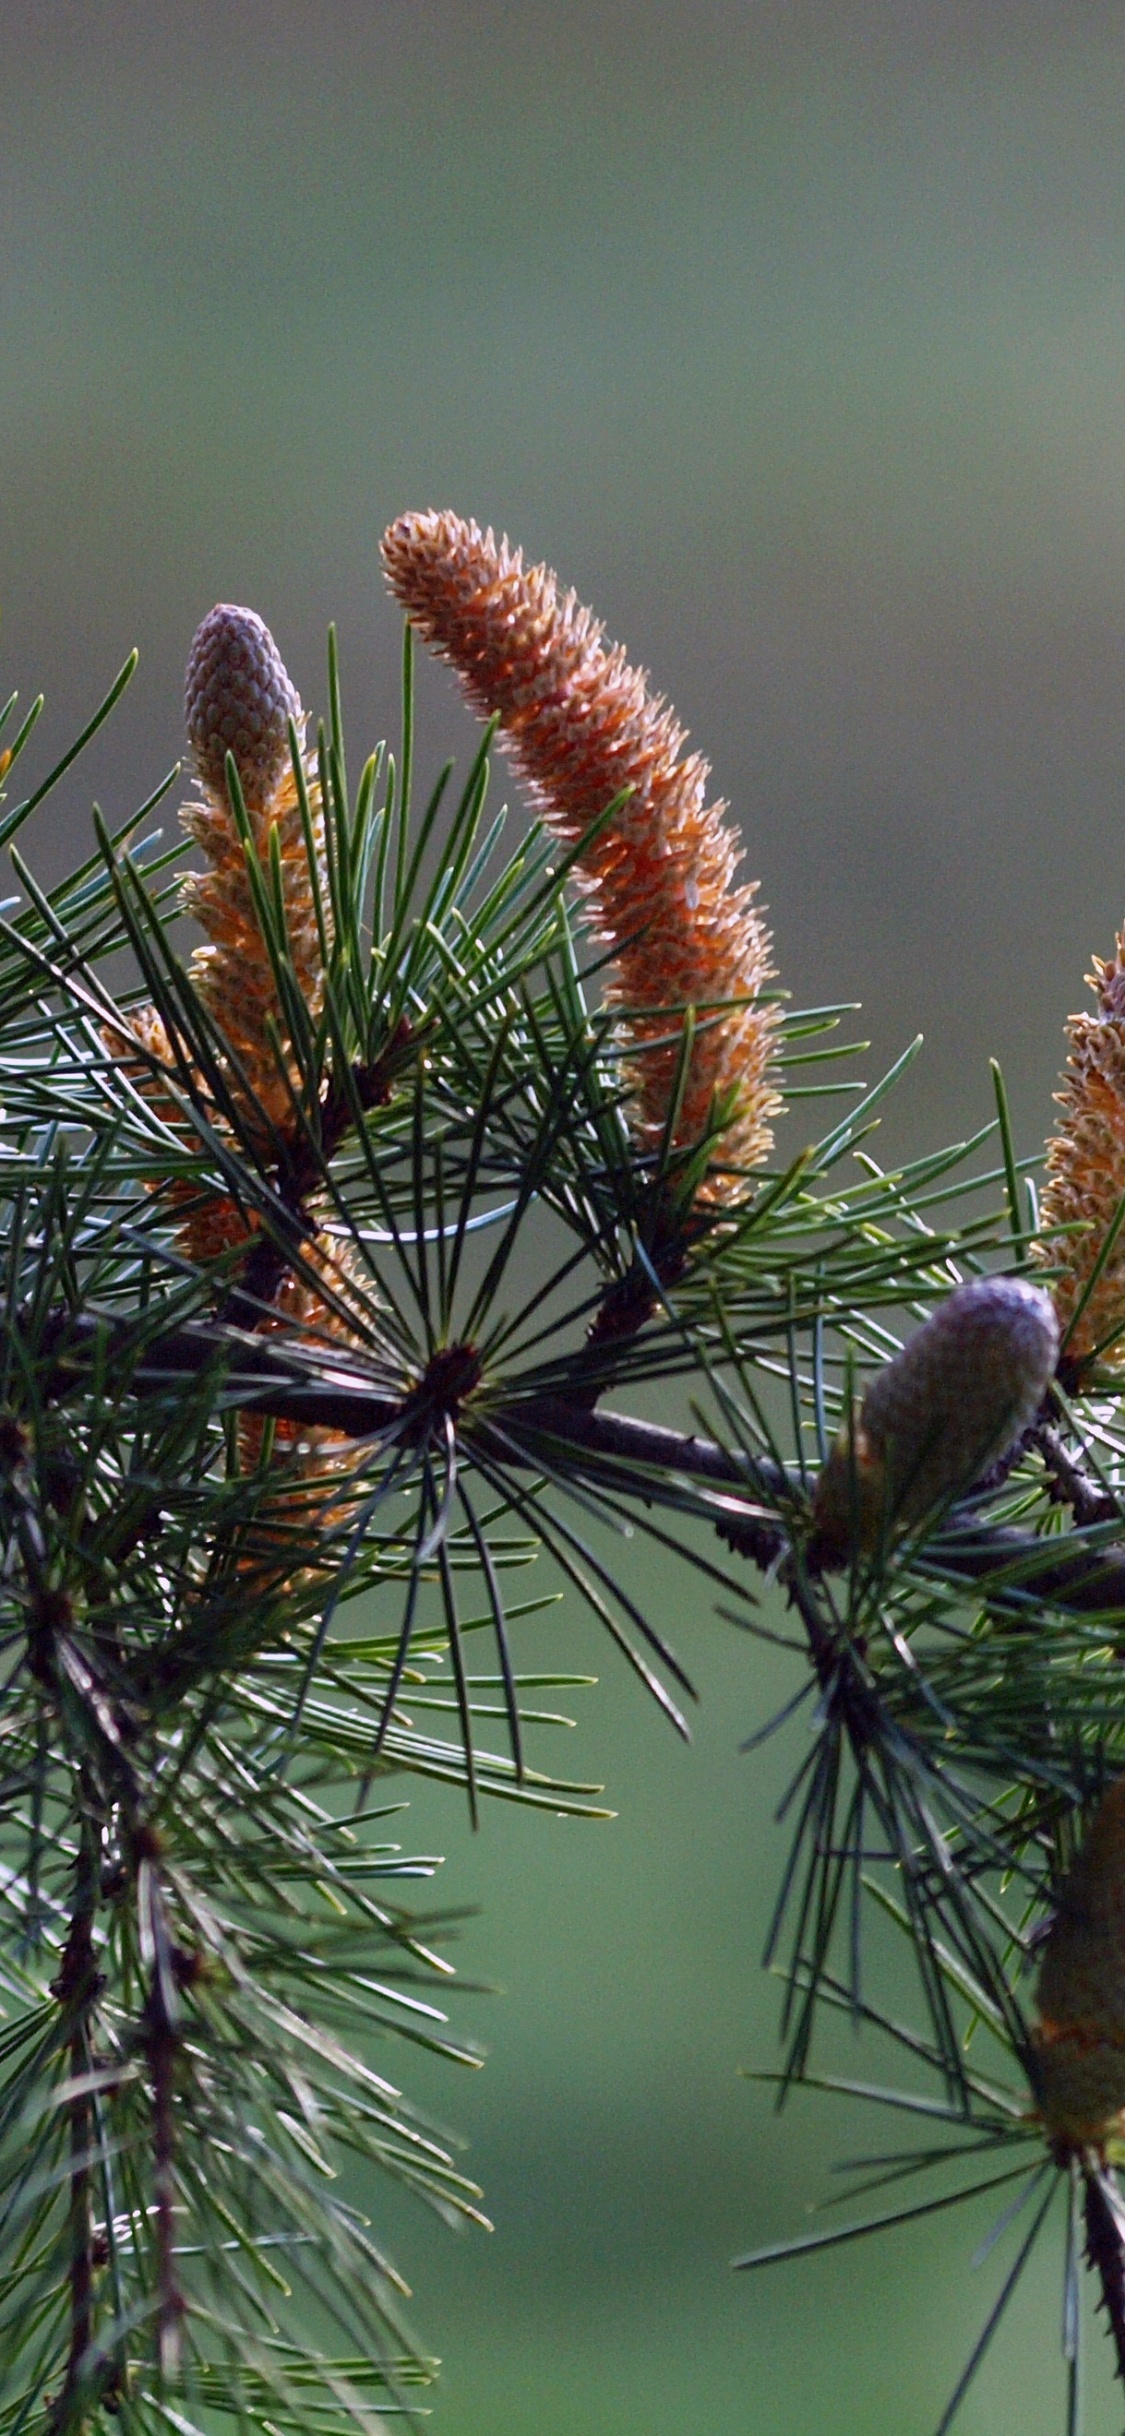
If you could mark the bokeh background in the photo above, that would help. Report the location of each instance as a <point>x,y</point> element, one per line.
<point>795,337</point>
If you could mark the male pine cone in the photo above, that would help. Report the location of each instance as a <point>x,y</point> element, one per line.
<point>1082,1238</point>
<point>1079,2044</point>
<point>585,728</point>
<point>954,1399</point>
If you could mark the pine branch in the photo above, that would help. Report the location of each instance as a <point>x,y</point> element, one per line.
<point>1072,1485</point>
<point>313,1386</point>
<point>300,1174</point>
<point>263,1355</point>
<point>77,1987</point>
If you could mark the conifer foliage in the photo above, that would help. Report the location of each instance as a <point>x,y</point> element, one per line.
<point>287,1454</point>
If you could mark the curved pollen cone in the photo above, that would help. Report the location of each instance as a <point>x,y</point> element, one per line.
<point>581,725</point>
<point>955,1398</point>
<point>1079,2042</point>
<point>1086,1174</point>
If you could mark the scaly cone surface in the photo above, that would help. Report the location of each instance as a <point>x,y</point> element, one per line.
<point>956,1397</point>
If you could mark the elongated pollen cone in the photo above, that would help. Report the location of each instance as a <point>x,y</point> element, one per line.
<point>1086,1179</point>
<point>582,725</point>
<point>955,1398</point>
<point>238,698</point>
<point>1080,2040</point>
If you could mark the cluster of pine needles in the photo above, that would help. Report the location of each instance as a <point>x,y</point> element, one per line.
<point>363,1321</point>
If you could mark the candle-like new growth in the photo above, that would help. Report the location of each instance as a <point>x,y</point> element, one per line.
<point>954,1399</point>
<point>239,699</point>
<point>1080,2039</point>
<point>581,725</point>
<point>1086,1176</point>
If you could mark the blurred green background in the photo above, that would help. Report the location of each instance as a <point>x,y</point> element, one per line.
<point>795,337</point>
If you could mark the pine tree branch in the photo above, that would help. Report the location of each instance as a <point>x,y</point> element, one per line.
<point>1072,1485</point>
<point>302,1169</point>
<point>318,1388</point>
<point>77,1987</point>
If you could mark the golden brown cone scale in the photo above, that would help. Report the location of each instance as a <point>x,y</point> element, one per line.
<point>581,724</point>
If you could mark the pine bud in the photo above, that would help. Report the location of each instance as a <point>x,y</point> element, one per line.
<point>238,698</point>
<point>932,1421</point>
<point>1079,2043</point>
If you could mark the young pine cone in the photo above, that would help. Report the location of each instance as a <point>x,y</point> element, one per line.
<point>955,1398</point>
<point>238,698</point>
